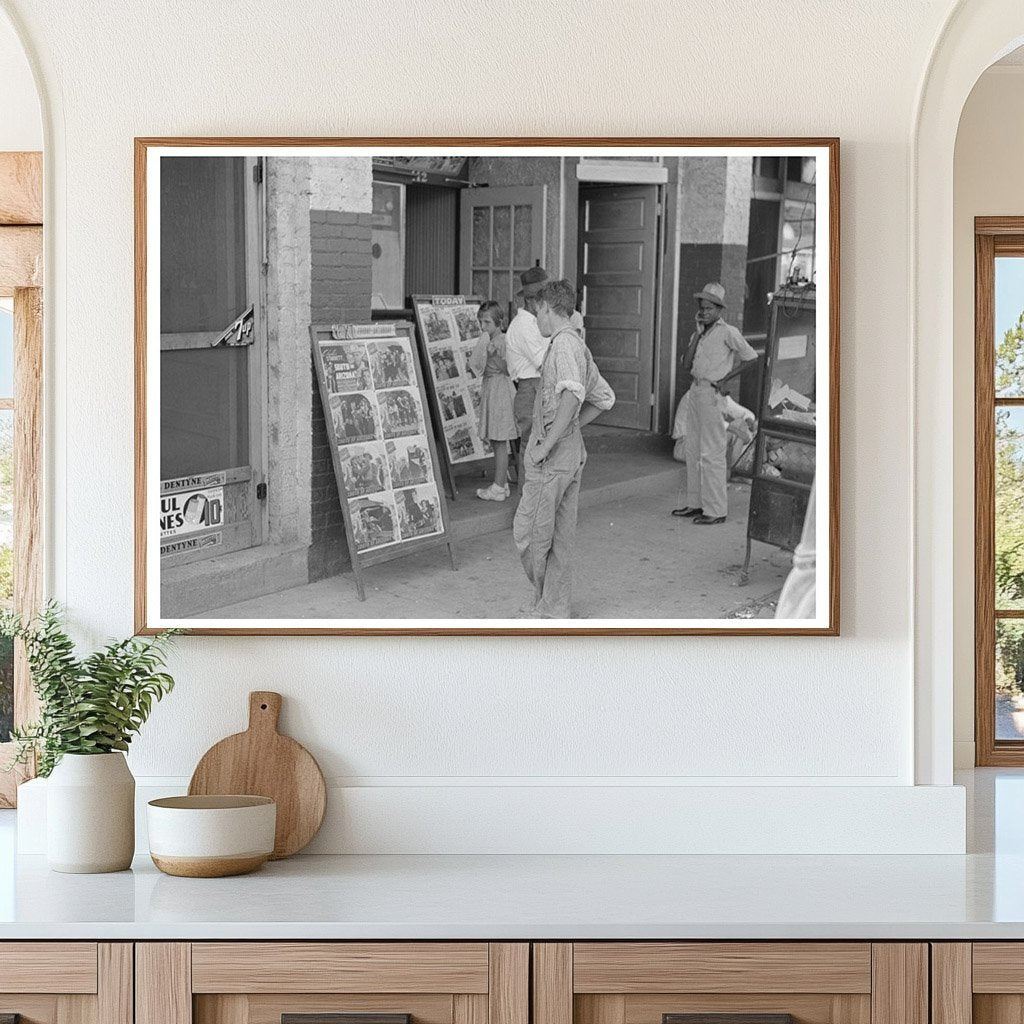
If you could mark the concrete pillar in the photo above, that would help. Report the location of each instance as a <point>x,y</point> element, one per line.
<point>713,221</point>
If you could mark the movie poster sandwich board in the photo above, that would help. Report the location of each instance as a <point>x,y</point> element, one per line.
<point>382,444</point>
<point>448,332</point>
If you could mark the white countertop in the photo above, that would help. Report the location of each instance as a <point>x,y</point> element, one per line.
<point>516,897</point>
<point>977,896</point>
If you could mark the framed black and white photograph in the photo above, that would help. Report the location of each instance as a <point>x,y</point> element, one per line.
<point>456,386</point>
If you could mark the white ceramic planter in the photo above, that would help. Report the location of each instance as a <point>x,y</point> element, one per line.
<point>90,814</point>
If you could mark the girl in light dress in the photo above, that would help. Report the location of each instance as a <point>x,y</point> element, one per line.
<point>497,421</point>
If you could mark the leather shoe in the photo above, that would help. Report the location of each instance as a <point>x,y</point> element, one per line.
<point>688,512</point>
<point>703,520</point>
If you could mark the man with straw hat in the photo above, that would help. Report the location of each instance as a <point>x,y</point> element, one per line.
<point>720,352</point>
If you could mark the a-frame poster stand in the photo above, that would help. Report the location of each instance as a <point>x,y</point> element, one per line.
<point>448,332</point>
<point>382,443</point>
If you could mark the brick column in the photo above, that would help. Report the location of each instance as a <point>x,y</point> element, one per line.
<point>340,273</point>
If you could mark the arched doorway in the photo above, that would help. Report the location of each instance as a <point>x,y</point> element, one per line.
<point>977,33</point>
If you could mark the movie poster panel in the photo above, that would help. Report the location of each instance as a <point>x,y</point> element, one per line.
<point>346,367</point>
<point>400,413</point>
<point>461,441</point>
<point>365,468</point>
<point>444,364</point>
<point>419,512</point>
<point>452,400</point>
<point>408,461</point>
<point>355,417</point>
<point>374,521</point>
<point>438,324</point>
<point>391,363</point>
<point>466,322</point>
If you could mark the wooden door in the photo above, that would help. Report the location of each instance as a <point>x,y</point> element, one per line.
<point>211,393</point>
<point>502,234</point>
<point>618,267</point>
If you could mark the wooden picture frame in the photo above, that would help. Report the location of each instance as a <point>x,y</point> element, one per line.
<point>577,169</point>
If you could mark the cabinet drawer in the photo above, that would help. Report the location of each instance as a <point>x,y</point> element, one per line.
<point>730,983</point>
<point>633,967</point>
<point>340,967</point>
<point>64,967</point>
<point>332,983</point>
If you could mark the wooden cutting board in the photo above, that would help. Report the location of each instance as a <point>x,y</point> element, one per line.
<point>262,762</point>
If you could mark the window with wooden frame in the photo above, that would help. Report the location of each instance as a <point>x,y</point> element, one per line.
<point>999,490</point>
<point>21,365</point>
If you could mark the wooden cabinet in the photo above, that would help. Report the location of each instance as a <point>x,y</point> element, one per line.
<point>497,983</point>
<point>978,983</point>
<point>66,982</point>
<point>814,982</point>
<point>260,982</point>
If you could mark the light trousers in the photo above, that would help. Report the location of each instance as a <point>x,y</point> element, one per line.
<point>706,469</point>
<point>544,529</point>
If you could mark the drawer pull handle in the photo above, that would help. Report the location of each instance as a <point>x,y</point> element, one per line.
<point>727,1018</point>
<point>341,1018</point>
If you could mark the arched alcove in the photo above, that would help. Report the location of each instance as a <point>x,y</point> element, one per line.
<point>976,34</point>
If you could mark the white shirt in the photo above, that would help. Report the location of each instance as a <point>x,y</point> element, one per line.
<point>715,351</point>
<point>525,345</point>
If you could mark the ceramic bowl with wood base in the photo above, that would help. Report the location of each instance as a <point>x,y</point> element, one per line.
<point>211,836</point>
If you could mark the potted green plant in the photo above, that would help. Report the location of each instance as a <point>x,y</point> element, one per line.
<point>89,709</point>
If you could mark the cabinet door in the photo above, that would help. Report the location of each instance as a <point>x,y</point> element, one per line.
<point>66,982</point>
<point>332,983</point>
<point>981,982</point>
<point>730,983</point>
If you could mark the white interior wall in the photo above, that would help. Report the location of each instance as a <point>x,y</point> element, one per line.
<point>434,716</point>
<point>21,127</point>
<point>988,182</point>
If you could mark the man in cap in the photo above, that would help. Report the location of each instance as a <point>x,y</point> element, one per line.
<point>524,351</point>
<point>718,352</point>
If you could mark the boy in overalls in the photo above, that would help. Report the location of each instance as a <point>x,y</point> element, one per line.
<point>571,393</point>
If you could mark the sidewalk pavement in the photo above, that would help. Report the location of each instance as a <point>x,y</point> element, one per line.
<point>634,560</point>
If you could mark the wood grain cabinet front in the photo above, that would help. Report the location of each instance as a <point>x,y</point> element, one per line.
<point>66,982</point>
<point>730,983</point>
<point>332,983</point>
<point>978,983</point>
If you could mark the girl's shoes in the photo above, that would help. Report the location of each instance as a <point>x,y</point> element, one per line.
<point>493,493</point>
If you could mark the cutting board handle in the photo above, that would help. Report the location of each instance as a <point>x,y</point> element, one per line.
<point>264,710</point>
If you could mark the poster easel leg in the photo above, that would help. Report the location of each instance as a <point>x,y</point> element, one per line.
<point>360,589</point>
<point>449,474</point>
<point>745,572</point>
<point>451,555</point>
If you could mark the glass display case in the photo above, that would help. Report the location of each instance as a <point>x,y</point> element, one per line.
<point>784,456</point>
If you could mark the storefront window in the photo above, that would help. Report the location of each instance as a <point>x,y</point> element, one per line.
<point>388,246</point>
